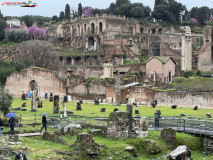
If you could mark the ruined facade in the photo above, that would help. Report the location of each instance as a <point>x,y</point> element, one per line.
<point>47,81</point>
<point>205,58</point>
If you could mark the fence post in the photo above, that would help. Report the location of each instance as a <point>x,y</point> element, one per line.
<point>20,118</point>
<point>35,119</point>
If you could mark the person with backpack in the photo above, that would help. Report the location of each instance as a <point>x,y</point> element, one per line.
<point>44,122</point>
<point>157,118</point>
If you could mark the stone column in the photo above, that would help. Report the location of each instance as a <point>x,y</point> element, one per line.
<point>143,127</point>
<point>56,104</point>
<point>129,109</point>
<point>33,101</point>
<point>117,89</point>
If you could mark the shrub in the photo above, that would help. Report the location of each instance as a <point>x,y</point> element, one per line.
<point>5,101</point>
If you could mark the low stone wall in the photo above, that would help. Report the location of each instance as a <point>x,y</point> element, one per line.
<point>200,99</point>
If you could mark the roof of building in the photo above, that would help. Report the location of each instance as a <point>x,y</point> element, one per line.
<point>122,69</point>
<point>163,59</point>
<point>130,85</point>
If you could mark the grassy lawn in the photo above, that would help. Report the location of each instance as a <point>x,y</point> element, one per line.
<point>40,149</point>
<point>92,110</point>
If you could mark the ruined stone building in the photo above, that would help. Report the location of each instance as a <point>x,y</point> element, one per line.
<point>160,69</point>
<point>205,57</point>
<point>46,81</point>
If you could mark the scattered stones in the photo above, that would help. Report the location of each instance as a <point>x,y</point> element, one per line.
<point>72,127</point>
<point>109,100</point>
<point>104,101</point>
<point>151,147</point>
<point>96,101</point>
<point>24,109</point>
<point>40,104</point>
<point>55,137</point>
<point>169,136</point>
<point>143,103</point>
<point>17,108</point>
<point>95,132</point>
<point>182,114</point>
<point>13,137</point>
<point>195,108</point>
<point>208,115</point>
<point>103,110</point>
<point>116,109</point>
<point>68,112</point>
<point>118,125</point>
<point>181,153</point>
<point>56,104</point>
<point>24,104</point>
<point>174,106</point>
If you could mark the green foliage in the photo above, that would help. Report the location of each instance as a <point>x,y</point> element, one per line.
<point>7,67</point>
<point>201,41</point>
<point>137,12</point>
<point>5,101</point>
<point>16,35</point>
<point>3,25</point>
<point>67,11</point>
<point>55,18</point>
<point>188,74</point>
<point>61,16</point>
<point>169,11</point>
<point>194,143</point>
<point>127,62</point>
<point>202,15</point>
<point>29,19</point>
<point>119,3</point>
<point>80,10</point>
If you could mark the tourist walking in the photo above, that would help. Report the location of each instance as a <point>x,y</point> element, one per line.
<point>44,122</point>
<point>157,117</point>
<point>12,124</point>
<point>1,126</point>
<point>21,155</point>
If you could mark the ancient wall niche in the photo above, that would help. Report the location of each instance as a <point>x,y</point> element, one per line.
<point>92,28</point>
<point>100,27</point>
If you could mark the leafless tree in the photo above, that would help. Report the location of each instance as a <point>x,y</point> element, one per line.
<point>41,54</point>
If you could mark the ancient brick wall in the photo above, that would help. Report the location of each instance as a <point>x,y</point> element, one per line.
<point>47,81</point>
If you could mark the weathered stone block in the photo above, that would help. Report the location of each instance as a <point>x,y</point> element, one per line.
<point>181,153</point>
<point>169,136</point>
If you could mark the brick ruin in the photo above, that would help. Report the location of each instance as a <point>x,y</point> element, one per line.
<point>91,49</point>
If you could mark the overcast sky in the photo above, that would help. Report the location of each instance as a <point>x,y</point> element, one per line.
<point>54,7</point>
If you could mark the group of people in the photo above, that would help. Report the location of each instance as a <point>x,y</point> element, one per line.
<point>154,102</point>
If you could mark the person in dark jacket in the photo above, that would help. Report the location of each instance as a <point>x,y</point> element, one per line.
<point>12,124</point>
<point>44,122</point>
<point>0,125</point>
<point>21,156</point>
<point>157,117</point>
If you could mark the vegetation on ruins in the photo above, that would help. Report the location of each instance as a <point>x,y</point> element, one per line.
<point>38,148</point>
<point>7,67</point>
<point>41,54</point>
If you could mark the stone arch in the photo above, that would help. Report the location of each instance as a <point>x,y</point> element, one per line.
<point>68,60</point>
<point>92,28</point>
<point>79,30</point>
<point>142,30</point>
<point>212,52</point>
<point>160,31</point>
<point>153,31</point>
<point>77,60</point>
<point>91,42</point>
<point>156,50</point>
<point>100,27</point>
<point>85,28</point>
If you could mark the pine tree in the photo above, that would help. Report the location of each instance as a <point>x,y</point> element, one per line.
<point>158,2</point>
<point>61,16</point>
<point>67,11</point>
<point>80,10</point>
